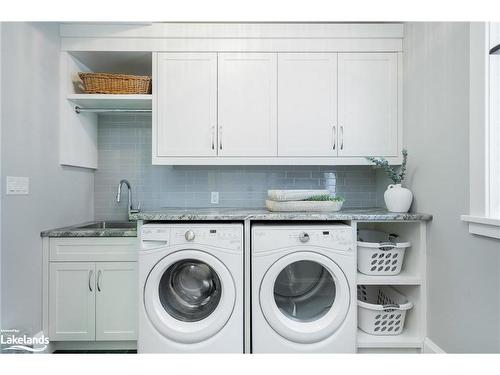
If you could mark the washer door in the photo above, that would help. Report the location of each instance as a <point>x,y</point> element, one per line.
<point>305,297</point>
<point>189,296</point>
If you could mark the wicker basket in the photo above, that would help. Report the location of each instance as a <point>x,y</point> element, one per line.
<point>108,83</point>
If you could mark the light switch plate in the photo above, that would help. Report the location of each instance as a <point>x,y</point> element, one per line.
<point>18,185</point>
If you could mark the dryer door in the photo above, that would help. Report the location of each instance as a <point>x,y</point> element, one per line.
<point>189,296</point>
<point>305,297</point>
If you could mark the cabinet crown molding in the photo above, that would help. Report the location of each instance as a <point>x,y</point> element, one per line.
<point>232,37</point>
<point>232,30</point>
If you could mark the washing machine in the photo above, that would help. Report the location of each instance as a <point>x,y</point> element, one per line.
<point>303,289</point>
<point>191,288</point>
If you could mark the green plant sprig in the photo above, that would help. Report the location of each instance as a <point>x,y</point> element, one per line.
<point>324,197</point>
<point>397,175</point>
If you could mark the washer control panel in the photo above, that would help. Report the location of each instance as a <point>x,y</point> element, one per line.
<point>189,235</point>
<point>229,236</point>
<point>155,233</point>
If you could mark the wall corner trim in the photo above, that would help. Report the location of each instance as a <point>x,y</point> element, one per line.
<point>430,347</point>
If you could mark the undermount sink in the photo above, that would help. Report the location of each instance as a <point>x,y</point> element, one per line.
<point>109,225</point>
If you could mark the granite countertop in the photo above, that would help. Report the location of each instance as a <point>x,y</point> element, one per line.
<point>364,214</point>
<point>230,214</point>
<point>87,230</point>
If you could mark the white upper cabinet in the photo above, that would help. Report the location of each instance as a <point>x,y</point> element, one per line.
<point>247,105</point>
<point>185,105</point>
<point>242,93</point>
<point>368,104</point>
<point>276,108</point>
<point>307,104</point>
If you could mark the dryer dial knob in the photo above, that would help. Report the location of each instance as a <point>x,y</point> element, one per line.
<point>304,237</point>
<point>189,235</point>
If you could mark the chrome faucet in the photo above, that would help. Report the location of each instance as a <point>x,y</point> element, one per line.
<point>131,209</point>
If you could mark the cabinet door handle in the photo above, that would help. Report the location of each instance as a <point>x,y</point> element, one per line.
<point>91,273</point>
<point>213,137</point>
<point>99,274</point>
<point>220,137</point>
<point>341,137</point>
<point>334,136</point>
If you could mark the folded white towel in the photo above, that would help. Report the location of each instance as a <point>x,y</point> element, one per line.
<point>293,195</point>
<point>303,206</point>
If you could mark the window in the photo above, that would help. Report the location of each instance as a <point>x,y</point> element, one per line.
<point>493,137</point>
<point>484,215</point>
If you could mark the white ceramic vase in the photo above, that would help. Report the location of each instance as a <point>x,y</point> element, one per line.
<point>397,198</point>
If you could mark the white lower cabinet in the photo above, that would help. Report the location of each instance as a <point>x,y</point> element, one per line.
<point>92,301</point>
<point>116,301</point>
<point>72,301</point>
<point>90,289</point>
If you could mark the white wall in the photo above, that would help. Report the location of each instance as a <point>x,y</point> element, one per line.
<point>464,276</point>
<point>29,147</point>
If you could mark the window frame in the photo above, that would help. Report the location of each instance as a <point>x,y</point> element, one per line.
<point>483,217</point>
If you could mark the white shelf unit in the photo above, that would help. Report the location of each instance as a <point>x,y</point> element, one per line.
<point>411,282</point>
<point>111,101</point>
<point>404,278</point>
<point>405,340</point>
<point>78,131</point>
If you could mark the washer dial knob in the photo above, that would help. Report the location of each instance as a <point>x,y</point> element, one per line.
<point>304,237</point>
<point>189,235</point>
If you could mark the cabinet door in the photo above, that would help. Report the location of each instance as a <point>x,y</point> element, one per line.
<point>368,104</point>
<point>117,301</point>
<point>307,104</point>
<point>72,301</point>
<point>186,104</point>
<point>247,104</point>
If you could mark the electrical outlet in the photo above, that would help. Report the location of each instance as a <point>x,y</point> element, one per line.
<point>214,199</point>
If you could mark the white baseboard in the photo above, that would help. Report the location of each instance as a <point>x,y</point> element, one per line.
<point>49,347</point>
<point>94,345</point>
<point>430,347</point>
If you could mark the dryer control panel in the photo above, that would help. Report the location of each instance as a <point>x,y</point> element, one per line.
<point>227,237</point>
<point>336,237</point>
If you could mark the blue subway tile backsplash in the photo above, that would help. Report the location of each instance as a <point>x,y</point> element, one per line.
<point>124,143</point>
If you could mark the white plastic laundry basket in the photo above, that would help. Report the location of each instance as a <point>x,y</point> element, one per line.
<point>381,310</point>
<point>380,253</point>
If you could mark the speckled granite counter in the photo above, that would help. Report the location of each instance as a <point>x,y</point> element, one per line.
<point>202,214</point>
<point>87,230</point>
<point>231,214</point>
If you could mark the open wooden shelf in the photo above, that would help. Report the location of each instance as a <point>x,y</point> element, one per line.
<point>111,101</point>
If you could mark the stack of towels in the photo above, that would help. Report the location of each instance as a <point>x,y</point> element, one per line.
<point>296,200</point>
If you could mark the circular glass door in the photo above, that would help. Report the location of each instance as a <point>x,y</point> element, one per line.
<point>190,290</point>
<point>189,296</point>
<point>305,297</point>
<point>304,291</point>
